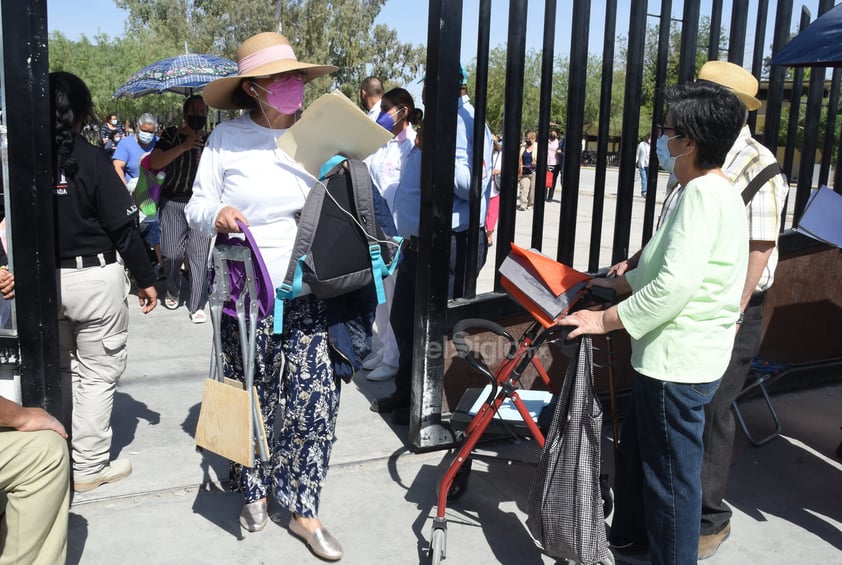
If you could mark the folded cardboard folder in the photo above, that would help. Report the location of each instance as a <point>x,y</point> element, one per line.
<point>332,125</point>
<point>821,217</point>
<point>546,288</point>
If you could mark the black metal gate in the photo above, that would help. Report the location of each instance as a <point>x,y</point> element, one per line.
<point>27,177</point>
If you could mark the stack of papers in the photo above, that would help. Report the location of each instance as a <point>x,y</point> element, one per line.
<point>545,287</point>
<point>821,217</point>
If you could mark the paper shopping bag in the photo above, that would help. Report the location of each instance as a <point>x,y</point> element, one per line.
<point>225,421</point>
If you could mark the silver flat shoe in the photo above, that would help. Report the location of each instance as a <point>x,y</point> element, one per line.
<point>254,515</point>
<point>320,542</point>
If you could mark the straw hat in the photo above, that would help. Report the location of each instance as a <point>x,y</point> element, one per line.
<point>260,55</point>
<point>735,78</point>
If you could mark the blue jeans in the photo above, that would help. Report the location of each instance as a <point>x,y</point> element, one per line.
<point>643,179</point>
<point>659,469</point>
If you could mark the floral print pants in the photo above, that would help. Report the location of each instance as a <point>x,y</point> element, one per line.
<point>299,398</point>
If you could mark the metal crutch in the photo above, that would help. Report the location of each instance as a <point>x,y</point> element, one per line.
<point>220,294</point>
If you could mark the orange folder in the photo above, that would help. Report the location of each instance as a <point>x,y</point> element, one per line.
<point>546,288</point>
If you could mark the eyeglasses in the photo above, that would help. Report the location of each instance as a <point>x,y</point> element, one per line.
<point>662,128</point>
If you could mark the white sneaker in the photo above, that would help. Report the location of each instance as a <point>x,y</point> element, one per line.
<point>382,373</point>
<point>198,317</point>
<point>372,361</point>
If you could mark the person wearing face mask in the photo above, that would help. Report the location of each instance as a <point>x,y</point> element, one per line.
<point>244,177</point>
<point>526,172</point>
<point>126,160</point>
<point>178,153</point>
<point>682,316</point>
<point>398,115</point>
<point>746,162</point>
<point>111,125</point>
<point>555,160</point>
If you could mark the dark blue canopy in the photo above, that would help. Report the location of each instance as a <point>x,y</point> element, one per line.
<point>819,45</point>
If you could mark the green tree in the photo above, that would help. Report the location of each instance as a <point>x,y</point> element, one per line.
<point>336,32</point>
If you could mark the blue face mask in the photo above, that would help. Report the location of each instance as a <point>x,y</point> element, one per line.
<point>662,149</point>
<point>386,120</point>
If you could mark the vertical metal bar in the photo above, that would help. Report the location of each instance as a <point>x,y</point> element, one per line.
<point>544,103</point>
<point>664,26</point>
<point>737,37</point>
<point>715,28</point>
<point>478,164</point>
<point>575,127</point>
<point>832,108</point>
<point>795,105</point>
<point>602,142</point>
<point>26,88</point>
<point>689,41</point>
<point>515,58</point>
<point>777,75</point>
<point>757,56</point>
<point>631,118</point>
<point>437,165</point>
<point>830,127</point>
<point>812,114</point>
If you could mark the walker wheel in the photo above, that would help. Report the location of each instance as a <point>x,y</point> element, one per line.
<point>460,481</point>
<point>438,545</point>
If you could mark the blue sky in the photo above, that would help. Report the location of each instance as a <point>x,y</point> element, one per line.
<point>409,17</point>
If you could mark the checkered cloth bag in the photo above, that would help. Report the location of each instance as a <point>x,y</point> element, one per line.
<point>565,511</point>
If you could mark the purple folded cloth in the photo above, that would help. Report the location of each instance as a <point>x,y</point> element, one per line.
<point>237,275</point>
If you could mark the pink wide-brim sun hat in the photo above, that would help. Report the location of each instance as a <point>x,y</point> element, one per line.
<point>260,55</point>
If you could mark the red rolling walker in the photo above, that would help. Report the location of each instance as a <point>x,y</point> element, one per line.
<point>504,385</point>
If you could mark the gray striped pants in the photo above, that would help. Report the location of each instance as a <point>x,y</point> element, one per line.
<point>179,242</point>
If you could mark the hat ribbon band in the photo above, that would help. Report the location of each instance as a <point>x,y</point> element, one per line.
<point>266,55</point>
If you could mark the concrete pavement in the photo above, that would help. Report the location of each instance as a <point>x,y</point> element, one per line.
<point>379,498</point>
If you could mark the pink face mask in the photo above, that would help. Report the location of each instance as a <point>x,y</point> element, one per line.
<point>286,94</point>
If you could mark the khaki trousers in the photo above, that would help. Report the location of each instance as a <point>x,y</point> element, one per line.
<point>527,190</point>
<point>93,329</point>
<point>35,477</point>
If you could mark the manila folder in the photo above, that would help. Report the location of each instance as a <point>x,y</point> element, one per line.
<point>332,125</point>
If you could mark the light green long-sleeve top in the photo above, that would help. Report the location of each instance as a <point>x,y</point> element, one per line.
<point>685,303</point>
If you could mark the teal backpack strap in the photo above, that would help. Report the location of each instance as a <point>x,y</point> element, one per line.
<point>328,165</point>
<point>390,269</point>
<point>287,291</point>
<point>377,269</point>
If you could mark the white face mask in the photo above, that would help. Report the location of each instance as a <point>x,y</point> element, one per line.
<point>145,137</point>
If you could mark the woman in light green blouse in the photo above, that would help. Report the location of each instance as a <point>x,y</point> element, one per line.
<point>682,317</point>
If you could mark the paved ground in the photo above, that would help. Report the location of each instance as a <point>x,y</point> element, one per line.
<point>380,498</point>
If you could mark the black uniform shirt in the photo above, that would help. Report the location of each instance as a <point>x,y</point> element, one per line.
<point>96,213</point>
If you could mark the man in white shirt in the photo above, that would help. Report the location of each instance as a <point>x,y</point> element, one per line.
<point>371,90</point>
<point>642,162</point>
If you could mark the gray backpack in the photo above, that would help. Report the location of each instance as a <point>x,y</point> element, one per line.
<point>339,246</point>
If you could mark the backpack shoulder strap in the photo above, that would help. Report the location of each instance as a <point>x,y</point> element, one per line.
<point>363,199</point>
<point>757,182</point>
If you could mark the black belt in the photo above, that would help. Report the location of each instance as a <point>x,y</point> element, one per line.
<point>84,261</point>
<point>757,299</point>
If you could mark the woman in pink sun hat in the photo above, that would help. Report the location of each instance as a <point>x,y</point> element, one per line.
<point>244,177</point>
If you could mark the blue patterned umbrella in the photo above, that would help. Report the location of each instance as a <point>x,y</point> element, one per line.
<point>184,75</point>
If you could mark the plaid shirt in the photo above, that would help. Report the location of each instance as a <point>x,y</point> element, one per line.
<point>744,161</point>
